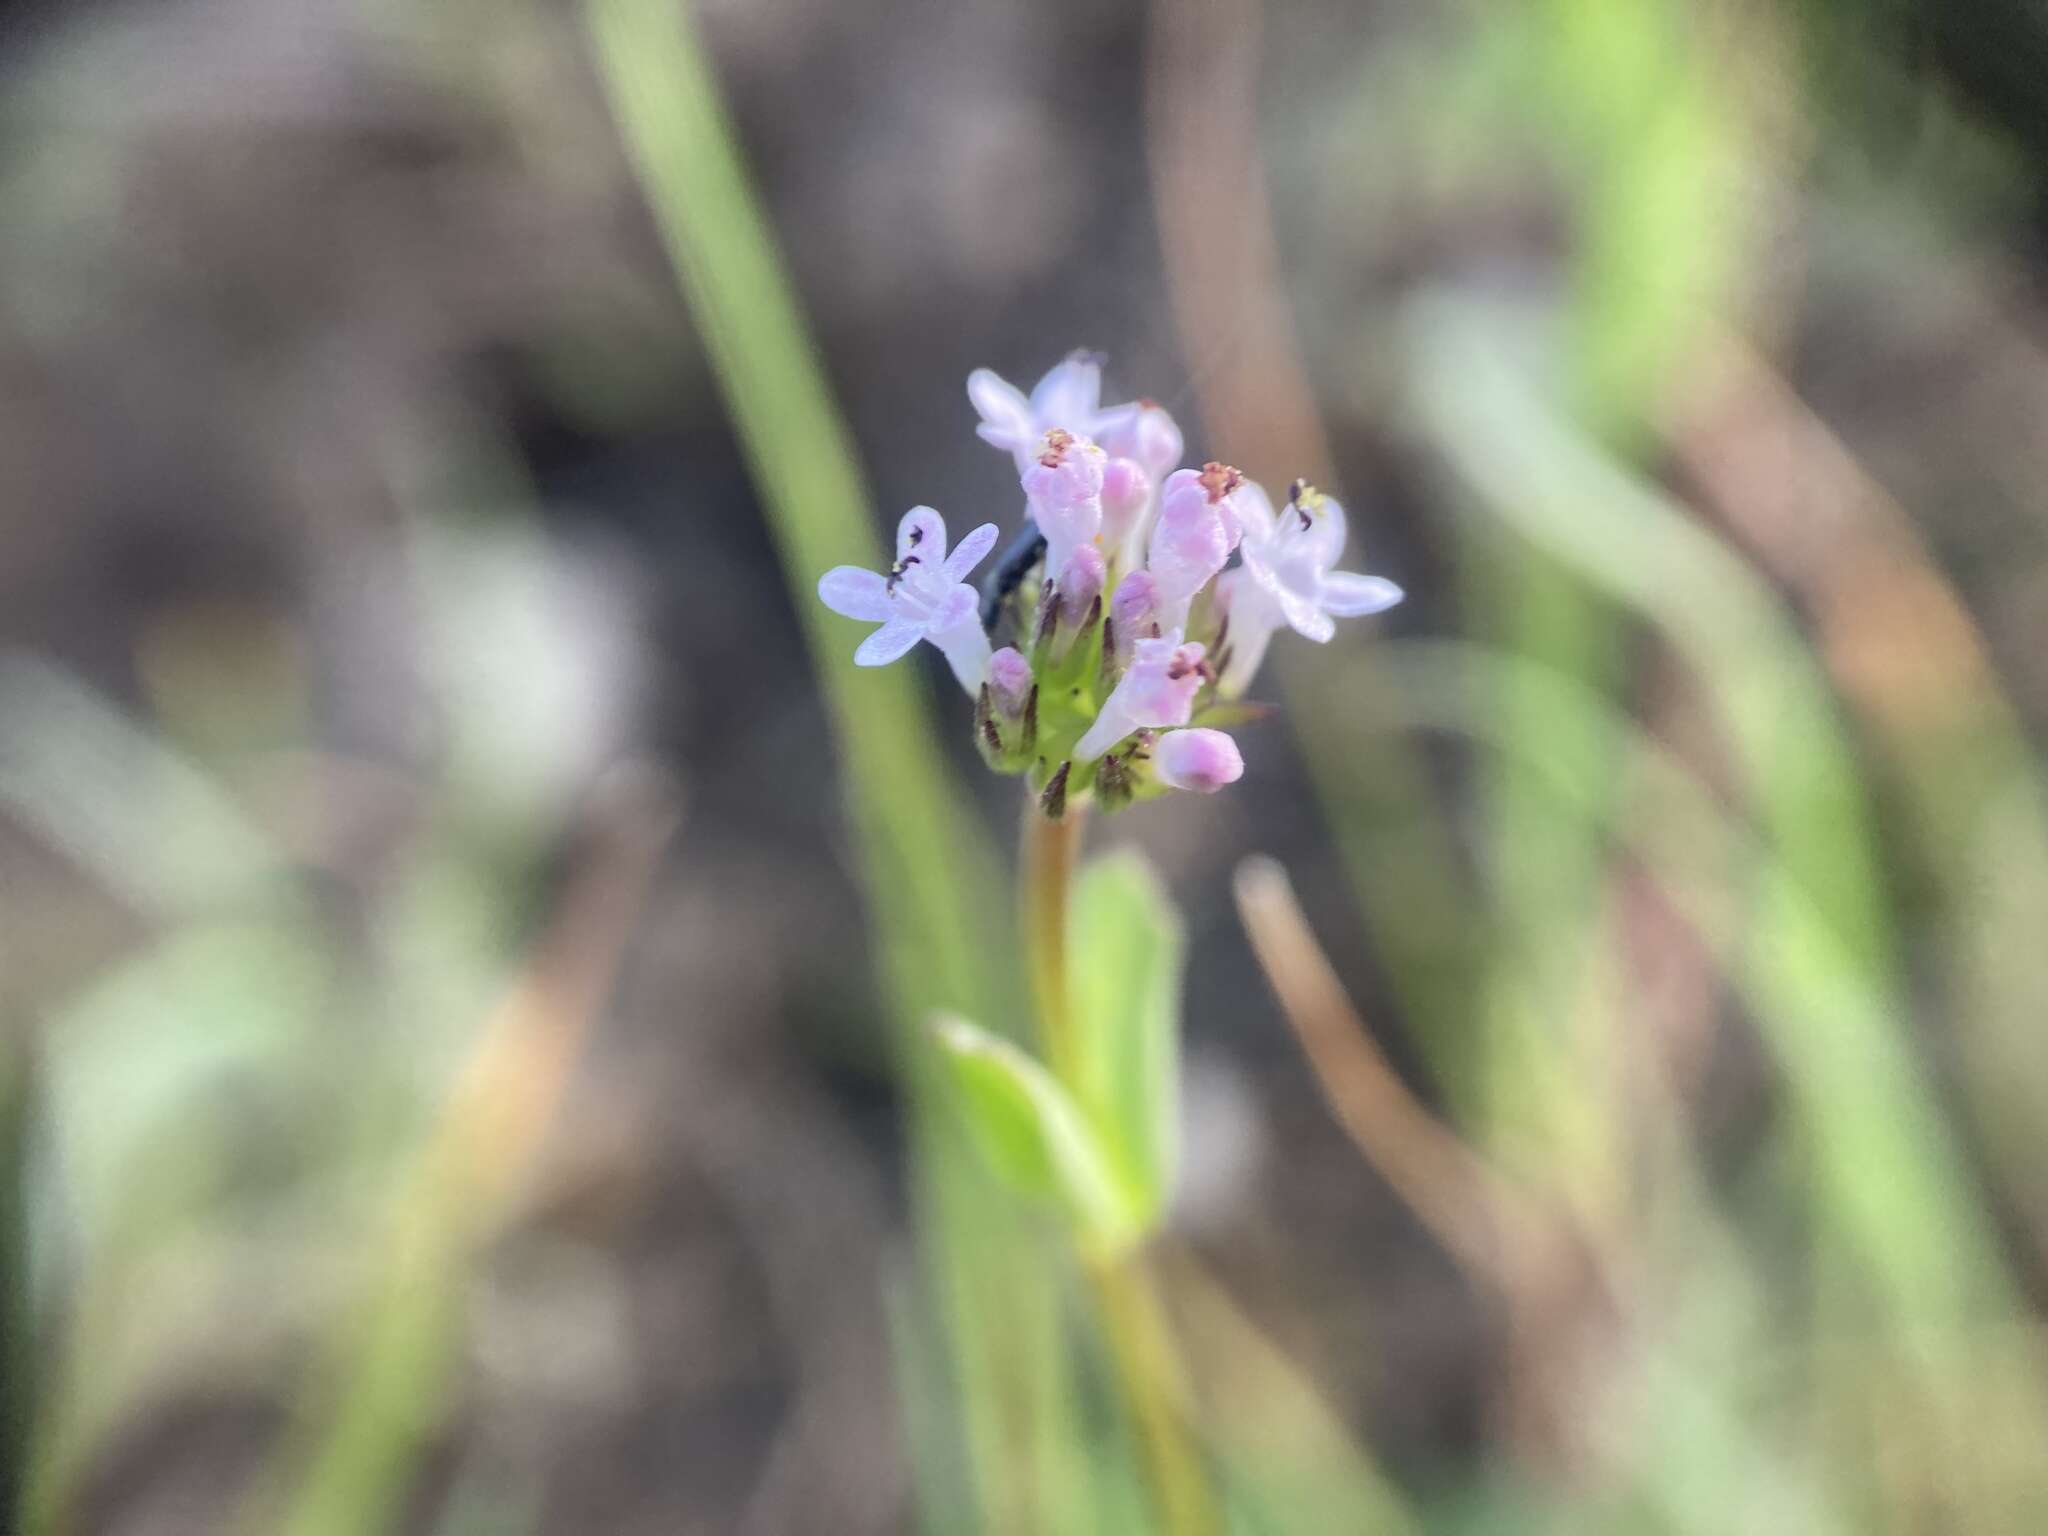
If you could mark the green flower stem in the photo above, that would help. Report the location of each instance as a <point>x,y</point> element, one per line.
<point>1127,1306</point>
<point>1051,851</point>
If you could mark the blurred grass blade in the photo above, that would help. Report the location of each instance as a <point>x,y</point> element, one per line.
<point>132,812</point>
<point>1290,1460</point>
<point>1556,490</point>
<point>1124,950</point>
<point>928,874</point>
<point>929,869</point>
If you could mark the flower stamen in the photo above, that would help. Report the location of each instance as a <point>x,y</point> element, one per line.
<point>1052,448</point>
<point>1219,480</point>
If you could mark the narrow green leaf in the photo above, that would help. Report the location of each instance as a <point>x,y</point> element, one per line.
<point>1125,951</point>
<point>1034,1135</point>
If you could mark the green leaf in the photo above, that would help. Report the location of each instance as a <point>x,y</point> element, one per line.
<point>1125,952</point>
<point>1034,1135</point>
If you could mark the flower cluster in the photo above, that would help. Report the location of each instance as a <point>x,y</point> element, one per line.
<point>1137,602</point>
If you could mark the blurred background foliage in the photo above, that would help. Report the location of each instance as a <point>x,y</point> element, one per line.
<point>466,932</point>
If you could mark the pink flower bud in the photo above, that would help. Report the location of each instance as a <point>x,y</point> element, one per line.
<point>1080,583</point>
<point>1009,682</point>
<point>1148,435</point>
<point>1133,613</point>
<point>1126,492</point>
<point>1199,759</point>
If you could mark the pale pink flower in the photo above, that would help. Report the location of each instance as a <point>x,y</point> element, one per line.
<point>924,597</point>
<point>1069,397</point>
<point>1156,691</point>
<point>1199,525</point>
<point>1063,489</point>
<point>1286,578</point>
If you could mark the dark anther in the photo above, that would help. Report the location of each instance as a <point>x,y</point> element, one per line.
<point>1300,497</point>
<point>1031,719</point>
<point>897,571</point>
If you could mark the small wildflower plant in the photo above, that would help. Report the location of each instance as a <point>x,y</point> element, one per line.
<point>1117,633</point>
<point>1105,650</point>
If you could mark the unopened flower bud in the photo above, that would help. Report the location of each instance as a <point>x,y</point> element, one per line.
<point>1080,583</point>
<point>1133,613</point>
<point>1147,435</point>
<point>1009,682</point>
<point>1126,494</point>
<point>1198,759</point>
<point>1135,605</point>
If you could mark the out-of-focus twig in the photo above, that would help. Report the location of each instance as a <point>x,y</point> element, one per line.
<point>1895,635</point>
<point>1458,1198</point>
<point>1223,273</point>
<point>1222,260</point>
<point>1558,1294</point>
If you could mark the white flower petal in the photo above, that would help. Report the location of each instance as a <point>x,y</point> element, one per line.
<point>1068,395</point>
<point>960,605</point>
<point>1117,424</point>
<point>1255,511</point>
<point>1005,413</point>
<point>1350,596</point>
<point>970,552</point>
<point>1111,726</point>
<point>922,533</point>
<point>1323,539</point>
<point>888,643</point>
<point>1304,616</point>
<point>854,593</point>
<point>964,644</point>
<point>1248,642</point>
